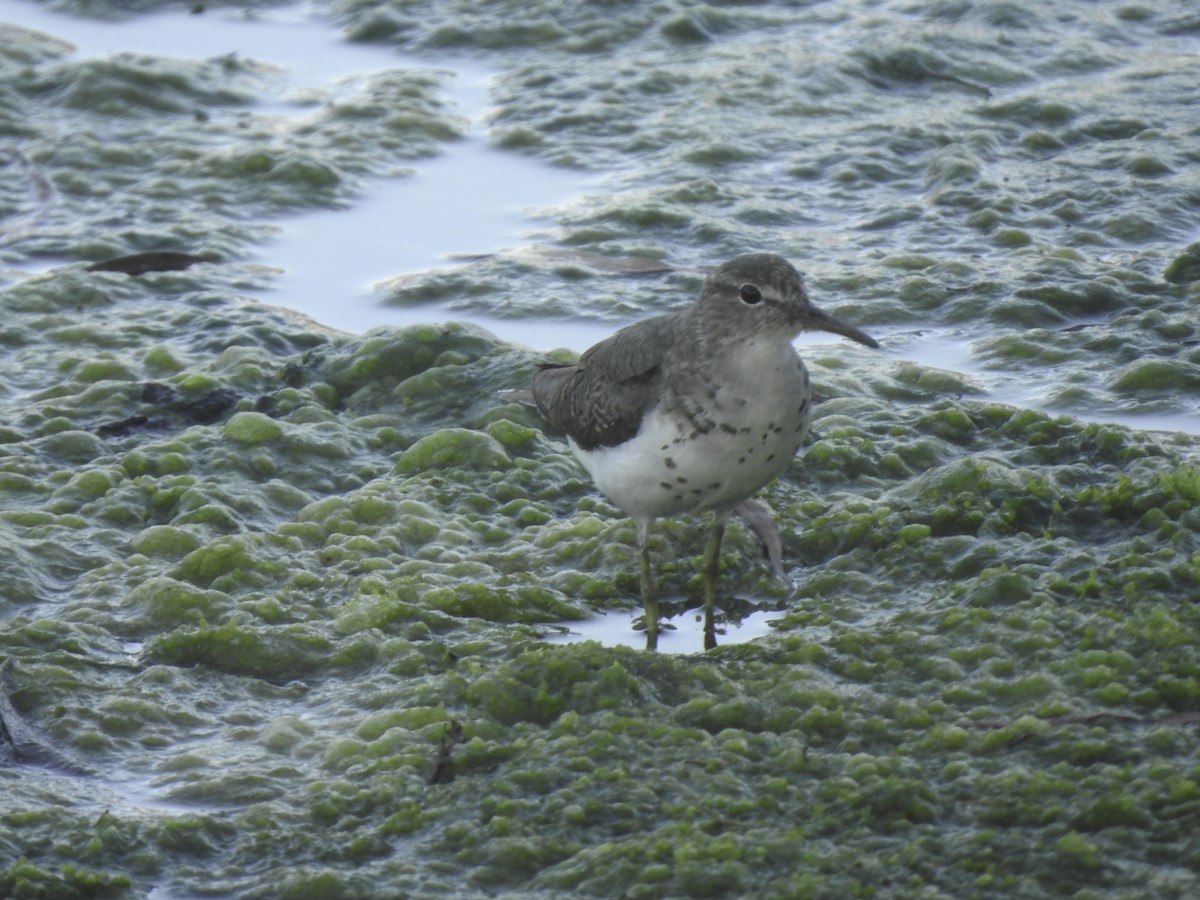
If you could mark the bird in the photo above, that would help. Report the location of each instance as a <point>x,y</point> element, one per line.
<point>693,411</point>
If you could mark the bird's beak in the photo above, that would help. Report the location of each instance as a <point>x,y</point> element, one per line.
<point>819,320</point>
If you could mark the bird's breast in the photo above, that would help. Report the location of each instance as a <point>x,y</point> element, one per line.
<point>714,439</point>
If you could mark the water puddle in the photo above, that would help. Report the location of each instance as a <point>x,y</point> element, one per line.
<point>470,199</point>
<point>683,633</point>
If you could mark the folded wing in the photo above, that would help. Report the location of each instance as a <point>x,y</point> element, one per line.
<point>599,401</point>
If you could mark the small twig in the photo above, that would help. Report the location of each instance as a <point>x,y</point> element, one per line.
<point>443,769</point>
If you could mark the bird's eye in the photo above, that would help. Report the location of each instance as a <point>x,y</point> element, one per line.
<point>750,294</point>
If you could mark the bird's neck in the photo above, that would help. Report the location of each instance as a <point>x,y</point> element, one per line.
<point>742,359</point>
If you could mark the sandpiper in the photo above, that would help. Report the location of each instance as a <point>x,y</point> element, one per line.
<point>694,411</point>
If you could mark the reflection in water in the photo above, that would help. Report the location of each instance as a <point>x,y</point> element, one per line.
<point>682,632</point>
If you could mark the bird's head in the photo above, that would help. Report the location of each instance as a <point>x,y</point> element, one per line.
<point>761,293</point>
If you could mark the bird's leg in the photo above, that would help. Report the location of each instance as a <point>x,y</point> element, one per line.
<point>649,601</point>
<point>710,569</point>
<point>649,588</point>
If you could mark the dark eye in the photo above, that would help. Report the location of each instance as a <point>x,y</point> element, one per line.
<point>750,294</point>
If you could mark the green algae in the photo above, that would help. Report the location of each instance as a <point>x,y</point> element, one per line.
<point>1028,206</point>
<point>23,879</point>
<point>959,632</point>
<point>252,428</point>
<point>453,448</point>
<point>177,152</point>
<point>1184,268</point>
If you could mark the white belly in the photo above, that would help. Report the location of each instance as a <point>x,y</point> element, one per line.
<point>742,439</point>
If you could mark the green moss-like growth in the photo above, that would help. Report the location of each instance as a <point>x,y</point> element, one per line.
<point>1184,268</point>
<point>243,650</point>
<point>24,879</point>
<point>295,599</point>
<point>252,428</point>
<point>453,448</point>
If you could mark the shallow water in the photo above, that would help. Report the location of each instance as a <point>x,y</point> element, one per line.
<point>468,200</point>
<point>683,633</point>
<point>475,198</point>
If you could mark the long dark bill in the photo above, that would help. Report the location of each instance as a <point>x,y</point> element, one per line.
<point>819,320</point>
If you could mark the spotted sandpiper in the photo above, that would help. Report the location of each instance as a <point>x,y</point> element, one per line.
<point>696,410</point>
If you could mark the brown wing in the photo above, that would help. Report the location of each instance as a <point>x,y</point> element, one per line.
<point>599,401</point>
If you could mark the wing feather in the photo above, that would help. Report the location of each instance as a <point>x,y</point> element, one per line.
<point>599,401</point>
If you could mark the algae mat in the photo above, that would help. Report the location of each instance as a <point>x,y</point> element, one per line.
<point>275,599</point>
<point>275,612</point>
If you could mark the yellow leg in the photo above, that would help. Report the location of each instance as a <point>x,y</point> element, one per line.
<point>649,599</point>
<point>710,570</point>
